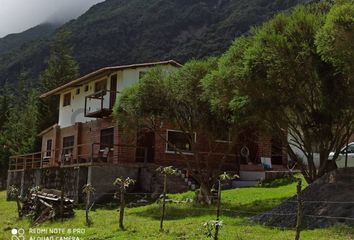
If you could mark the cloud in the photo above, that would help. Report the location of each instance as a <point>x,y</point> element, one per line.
<point>19,15</point>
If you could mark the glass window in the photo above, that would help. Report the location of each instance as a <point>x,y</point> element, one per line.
<point>67,99</point>
<point>78,91</point>
<point>86,88</point>
<point>107,137</point>
<point>101,85</point>
<point>223,136</point>
<point>49,148</point>
<point>180,140</point>
<point>68,144</point>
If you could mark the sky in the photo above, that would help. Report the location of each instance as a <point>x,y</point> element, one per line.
<point>19,15</point>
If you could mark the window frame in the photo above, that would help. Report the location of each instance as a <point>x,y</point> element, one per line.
<point>112,134</point>
<point>223,140</point>
<point>66,99</point>
<point>183,151</point>
<point>102,82</point>
<point>68,149</point>
<point>48,152</point>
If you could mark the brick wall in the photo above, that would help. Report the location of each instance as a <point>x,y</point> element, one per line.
<point>85,134</point>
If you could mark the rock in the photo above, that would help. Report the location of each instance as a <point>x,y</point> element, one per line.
<point>331,196</point>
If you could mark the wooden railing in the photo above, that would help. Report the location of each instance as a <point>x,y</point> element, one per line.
<point>79,155</point>
<point>104,106</point>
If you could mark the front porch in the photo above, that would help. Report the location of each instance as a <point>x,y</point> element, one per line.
<point>94,154</point>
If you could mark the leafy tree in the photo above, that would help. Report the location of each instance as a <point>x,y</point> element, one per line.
<point>335,39</point>
<point>88,190</point>
<point>165,171</point>
<point>62,68</point>
<point>123,184</point>
<point>6,98</point>
<point>278,76</point>
<point>177,98</point>
<point>21,128</point>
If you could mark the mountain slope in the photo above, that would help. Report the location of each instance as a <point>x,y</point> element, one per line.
<point>131,31</point>
<point>14,41</point>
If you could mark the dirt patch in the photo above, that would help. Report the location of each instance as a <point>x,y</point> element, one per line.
<point>331,196</point>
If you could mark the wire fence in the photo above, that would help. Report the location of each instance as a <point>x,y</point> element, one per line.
<point>237,211</point>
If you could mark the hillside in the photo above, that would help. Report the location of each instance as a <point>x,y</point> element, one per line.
<point>129,31</point>
<point>14,41</point>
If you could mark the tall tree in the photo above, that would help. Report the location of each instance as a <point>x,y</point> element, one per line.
<point>62,68</point>
<point>6,97</point>
<point>177,99</point>
<point>335,41</point>
<point>288,87</point>
<point>21,127</point>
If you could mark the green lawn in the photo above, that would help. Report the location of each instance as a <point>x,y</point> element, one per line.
<point>184,221</point>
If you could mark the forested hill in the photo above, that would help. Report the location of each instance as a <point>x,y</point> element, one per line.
<point>130,31</point>
<point>16,40</point>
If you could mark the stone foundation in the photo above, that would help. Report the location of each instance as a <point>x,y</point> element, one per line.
<point>101,178</point>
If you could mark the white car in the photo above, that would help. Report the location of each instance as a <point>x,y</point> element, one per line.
<point>341,157</point>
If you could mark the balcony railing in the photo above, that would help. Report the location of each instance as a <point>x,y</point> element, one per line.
<point>100,104</point>
<point>80,155</point>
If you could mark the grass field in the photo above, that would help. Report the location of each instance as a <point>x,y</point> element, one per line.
<point>183,221</point>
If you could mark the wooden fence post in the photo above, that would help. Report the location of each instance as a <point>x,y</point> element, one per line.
<point>218,213</point>
<point>300,210</point>
<point>122,206</point>
<point>163,201</point>
<point>62,193</point>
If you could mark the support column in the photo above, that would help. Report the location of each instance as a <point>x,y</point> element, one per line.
<point>22,183</point>
<point>89,175</point>
<point>56,146</point>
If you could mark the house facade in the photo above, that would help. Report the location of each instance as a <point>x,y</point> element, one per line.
<point>88,137</point>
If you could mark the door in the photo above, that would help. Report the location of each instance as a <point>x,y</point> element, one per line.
<point>145,151</point>
<point>247,147</point>
<point>277,151</point>
<point>113,92</point>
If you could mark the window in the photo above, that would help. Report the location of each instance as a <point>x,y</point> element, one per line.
<point>223,136</point>
<point>49,148</point>
<point>67,99</point>
<point>107,137</point>
<point>68,144</point>
<point>78,91</point>
<point>86,88</point>
<point>101,85</point>
<point>141,74</point>
<point>180,140</point>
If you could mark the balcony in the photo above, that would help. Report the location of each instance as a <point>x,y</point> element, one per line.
<point>100,104</point>
<point>80,155</point>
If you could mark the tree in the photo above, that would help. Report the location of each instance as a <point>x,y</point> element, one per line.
<point>21,127</point>
<point>123,184</point>
<point>285,84</point>
<point>62,68</point>
<point>335,39</point>
<point>88,190</point>
<point>6,98</point>
<point>177,98</point>
<point>165,171</point>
